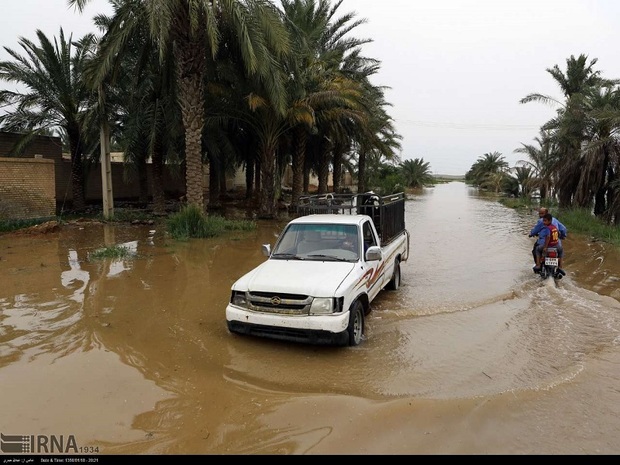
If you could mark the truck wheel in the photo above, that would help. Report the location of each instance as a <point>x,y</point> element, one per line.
<point>356,324</point>
<point>395,281</point>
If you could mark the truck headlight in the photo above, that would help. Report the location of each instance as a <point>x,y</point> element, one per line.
<point>322,306</point>
<point>239,299</point>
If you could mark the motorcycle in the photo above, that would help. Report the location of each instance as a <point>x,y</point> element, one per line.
<point>550,264</point>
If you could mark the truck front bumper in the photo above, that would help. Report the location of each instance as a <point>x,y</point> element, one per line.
<point>312,329</point>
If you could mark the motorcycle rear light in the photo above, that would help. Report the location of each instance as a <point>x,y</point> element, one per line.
<point>552,254</point>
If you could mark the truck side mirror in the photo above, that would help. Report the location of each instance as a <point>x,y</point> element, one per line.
<point>373,253</point>
<point>266,250</point>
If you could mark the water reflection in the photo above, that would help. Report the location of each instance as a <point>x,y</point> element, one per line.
<point>117,266</point>
<point>75,273</point>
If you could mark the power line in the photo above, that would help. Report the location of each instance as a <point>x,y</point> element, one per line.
<point>452,125</point>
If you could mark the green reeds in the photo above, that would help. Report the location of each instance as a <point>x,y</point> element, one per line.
<point>191,222</point>
<point>114,251</point>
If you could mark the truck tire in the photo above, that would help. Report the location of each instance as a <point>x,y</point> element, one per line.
<point>356,324</point>
<point>394,283</point>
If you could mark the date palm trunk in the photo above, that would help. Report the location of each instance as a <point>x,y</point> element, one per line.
<point>143,181</point>
<point>324,159</point>
<point>361,176</point>
<point>297,165</point>
<point>600,199</point>
<point>306,175</point>
<point>77,170</point>
<point>214,184</point>
<point>157,180</point>
<point>190,67</point>
<point>267,204</point>
<point>337,166</point>
<point>249,179</point>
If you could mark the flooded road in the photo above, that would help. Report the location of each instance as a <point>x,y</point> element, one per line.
<point>472,355</point>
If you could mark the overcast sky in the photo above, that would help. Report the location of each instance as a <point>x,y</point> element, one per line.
<point>456,69</point>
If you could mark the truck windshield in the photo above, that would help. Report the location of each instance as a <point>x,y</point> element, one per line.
<point>318,241</point>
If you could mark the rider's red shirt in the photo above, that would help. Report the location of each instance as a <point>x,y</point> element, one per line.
<point>554,235</point>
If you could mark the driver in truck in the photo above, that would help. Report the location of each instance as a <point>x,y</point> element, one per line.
<point>350,242</point>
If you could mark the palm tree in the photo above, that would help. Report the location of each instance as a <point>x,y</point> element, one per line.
<point>569,125</point>
<point>316,96</point>
<point>526,180</point>
<point>325,99</point>
<point>601,151</point>
<point>494,181</point>
<point>416,172</point>
<point>487,164</point>
<point>378,137</point>
<point>543,158</point>
<point>191,29</point>
<point>56,97</point>
<point>141,99</point>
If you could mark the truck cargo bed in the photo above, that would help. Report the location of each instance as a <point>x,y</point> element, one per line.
<point>387,212</point>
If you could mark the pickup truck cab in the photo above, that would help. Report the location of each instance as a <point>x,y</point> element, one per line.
<point>318,282</point>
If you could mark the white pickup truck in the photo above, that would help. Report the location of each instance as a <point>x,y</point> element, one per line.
<point>324,271</point>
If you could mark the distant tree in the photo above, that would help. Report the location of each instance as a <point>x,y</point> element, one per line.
<point>543,157</point>
<point>494,181</point>
<point>486,165</point>
<point>525,179</point>
<point>416,172</point>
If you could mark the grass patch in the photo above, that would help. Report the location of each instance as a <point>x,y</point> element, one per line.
<point>576,220</point>
<point>14,225</point>
<point>114,251</point>
<point>447,179</point>
<point>519,203</point>
<point>191,222</point>
<point>581,221</point>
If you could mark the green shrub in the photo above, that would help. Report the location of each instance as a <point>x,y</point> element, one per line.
<point>191,222</point>
<point>114,251</point>
<point>582,221</point>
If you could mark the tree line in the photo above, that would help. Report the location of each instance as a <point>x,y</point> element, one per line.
<point>231,84</point>
<point>575,159</point>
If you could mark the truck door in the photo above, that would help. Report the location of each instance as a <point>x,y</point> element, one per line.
<point>370,237</point>
<point>377,279</point>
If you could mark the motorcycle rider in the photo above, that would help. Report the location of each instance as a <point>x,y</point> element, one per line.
<point>539,226</point>
<point>550,236</point>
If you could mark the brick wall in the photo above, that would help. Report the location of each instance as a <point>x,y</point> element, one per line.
<point>49,147</point>
<point>27,188</point>
<point>122,188</point>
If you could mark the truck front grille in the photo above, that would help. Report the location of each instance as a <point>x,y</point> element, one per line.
<point>284,304</point>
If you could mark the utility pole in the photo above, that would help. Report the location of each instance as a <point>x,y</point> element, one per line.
<point>106,163</point>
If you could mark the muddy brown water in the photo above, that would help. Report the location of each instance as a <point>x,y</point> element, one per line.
<point>472,355</point>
